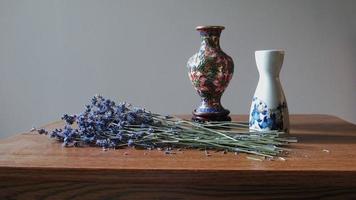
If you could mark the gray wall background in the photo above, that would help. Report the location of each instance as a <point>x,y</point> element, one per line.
<point>56,54</point>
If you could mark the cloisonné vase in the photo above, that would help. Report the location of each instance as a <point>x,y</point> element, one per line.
<point>210,71</point>
<point>269,109</point>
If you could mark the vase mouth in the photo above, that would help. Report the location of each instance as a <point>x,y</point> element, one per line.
<point>209,27</point>
<point>281,51</point>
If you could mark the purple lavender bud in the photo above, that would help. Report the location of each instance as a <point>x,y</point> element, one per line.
<point>94,100</point>
<point>131,118</point>
<point>55,133</point>
<point>67,139</point>
<point>88,139</point>
<point>76,144</point>
<point>118,136</point>
<point>103,143</point>
<point>113,144</point>
<point>121,108</point>
<point>108,102</point>
<point>122,124</point>
<point>147,119</point>
<point>138,110</point>
<point>70,119</point>
<point>42,131</point>
<point>130,143</point>
<point>87,108</point>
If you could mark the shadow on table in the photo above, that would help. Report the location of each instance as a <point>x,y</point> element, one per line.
<point>325,139</point>
<point>339,133</point>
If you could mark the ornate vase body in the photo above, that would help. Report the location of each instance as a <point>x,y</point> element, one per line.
<point>269,109</point>
<point>210,71</point>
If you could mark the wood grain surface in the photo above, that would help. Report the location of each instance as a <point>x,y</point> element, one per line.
<point>322,165</point>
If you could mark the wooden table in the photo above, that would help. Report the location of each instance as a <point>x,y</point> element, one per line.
<point>322,165</point>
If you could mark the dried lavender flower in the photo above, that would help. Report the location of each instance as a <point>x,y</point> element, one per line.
<point>106,124</point>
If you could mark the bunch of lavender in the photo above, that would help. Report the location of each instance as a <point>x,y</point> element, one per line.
<point>109,125</point>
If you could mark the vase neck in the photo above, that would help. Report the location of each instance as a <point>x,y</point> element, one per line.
<point>210,36</point>
<point>269,62</point>
<point>210,42</point>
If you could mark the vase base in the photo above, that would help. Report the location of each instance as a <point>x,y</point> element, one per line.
<point>203,117</point>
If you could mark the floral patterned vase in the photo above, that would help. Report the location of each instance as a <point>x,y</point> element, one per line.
<point>210,71</point>
<point>269,109</point>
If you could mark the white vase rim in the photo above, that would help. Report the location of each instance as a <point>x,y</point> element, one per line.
<point>270,50</point>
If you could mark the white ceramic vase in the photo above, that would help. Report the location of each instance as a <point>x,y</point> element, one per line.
<point>269,109</point>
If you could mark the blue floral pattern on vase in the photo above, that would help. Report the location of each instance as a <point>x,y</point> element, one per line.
<point>264,118</point>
